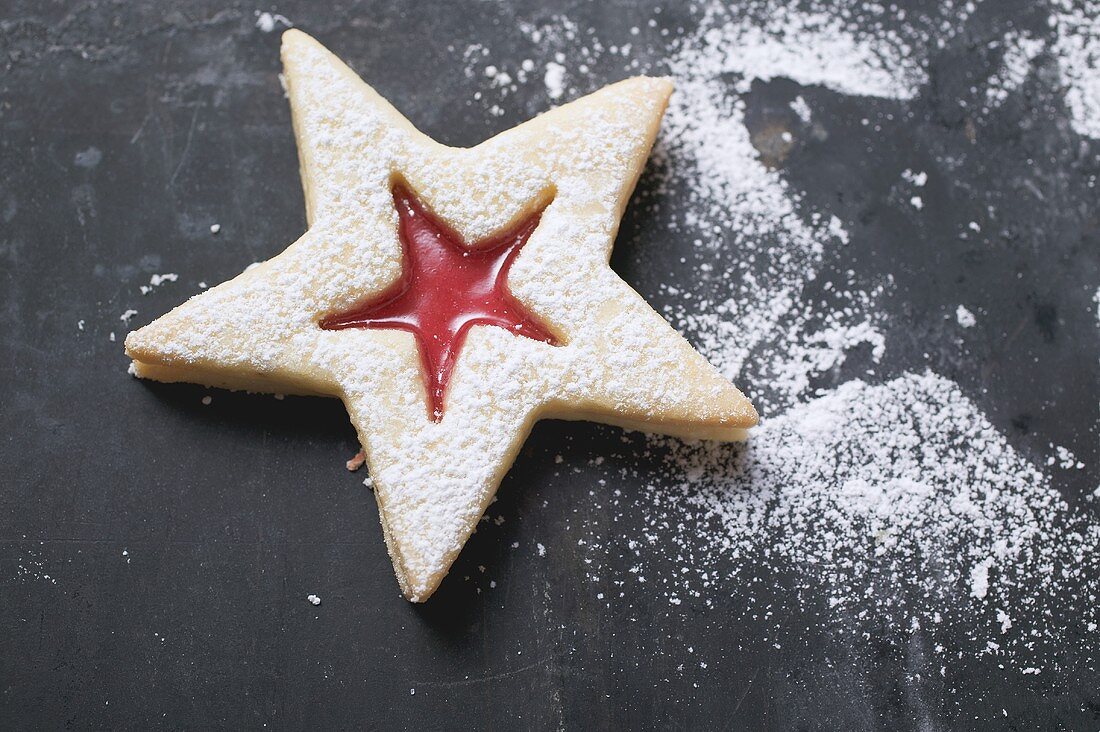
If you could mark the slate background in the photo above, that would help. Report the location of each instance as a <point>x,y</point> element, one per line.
<point>230,514</point>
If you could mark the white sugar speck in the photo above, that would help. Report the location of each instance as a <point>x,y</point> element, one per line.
<point>157,280</point>
<point>979,579</point>
<point>802,109</point>
<point>554,79</point>
<point>267,22</point>
<point>964,317</point>
<point>918,179</point>
<point>313,599</point>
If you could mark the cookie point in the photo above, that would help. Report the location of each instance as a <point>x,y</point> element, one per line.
<point>132,342</point>
<point>290,35</point>
<point>753,417</point>
<point>295,40</point>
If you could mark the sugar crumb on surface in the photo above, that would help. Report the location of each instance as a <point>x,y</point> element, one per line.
<point>267,22</point>
<point>964,317</point>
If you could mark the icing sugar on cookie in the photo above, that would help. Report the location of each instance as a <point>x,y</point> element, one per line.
<point>451,297</point>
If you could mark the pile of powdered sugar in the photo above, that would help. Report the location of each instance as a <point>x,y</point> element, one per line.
<point>891,502</point>
<point>897,499</point>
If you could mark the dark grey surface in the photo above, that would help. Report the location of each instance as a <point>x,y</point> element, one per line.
<point>230,514</point>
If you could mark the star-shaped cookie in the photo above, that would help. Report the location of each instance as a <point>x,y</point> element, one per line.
<point>529,217</point>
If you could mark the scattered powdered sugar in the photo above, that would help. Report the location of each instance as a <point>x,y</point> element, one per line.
<point>1020,50</point>
<point>810,48</point>
<point>1074,43</point>
<point>1064,458</point>
<point>32,566</point>
<point>897,502</point>
<point>767,251</point>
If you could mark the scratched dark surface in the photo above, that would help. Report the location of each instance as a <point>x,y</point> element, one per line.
<point>155,553</point>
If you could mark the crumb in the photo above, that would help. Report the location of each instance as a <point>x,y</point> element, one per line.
<point>964,317</point>
<point>555,80</point>
<point>356,462</point>
<point>267,22</point>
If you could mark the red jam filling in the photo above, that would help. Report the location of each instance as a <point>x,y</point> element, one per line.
<point>445,287</point>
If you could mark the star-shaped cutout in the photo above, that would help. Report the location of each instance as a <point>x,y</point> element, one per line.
<point>616,360</point>
<point>446,287</point>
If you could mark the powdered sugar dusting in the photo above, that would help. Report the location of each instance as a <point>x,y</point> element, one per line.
<point>898,502</point>
<point>895,503</point>
<point>1077,48</point>
<point>964,317</point>
<point>268,22</point>
<point>555,80</point>
<point>1020,50</point>
<point>619,360</point>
